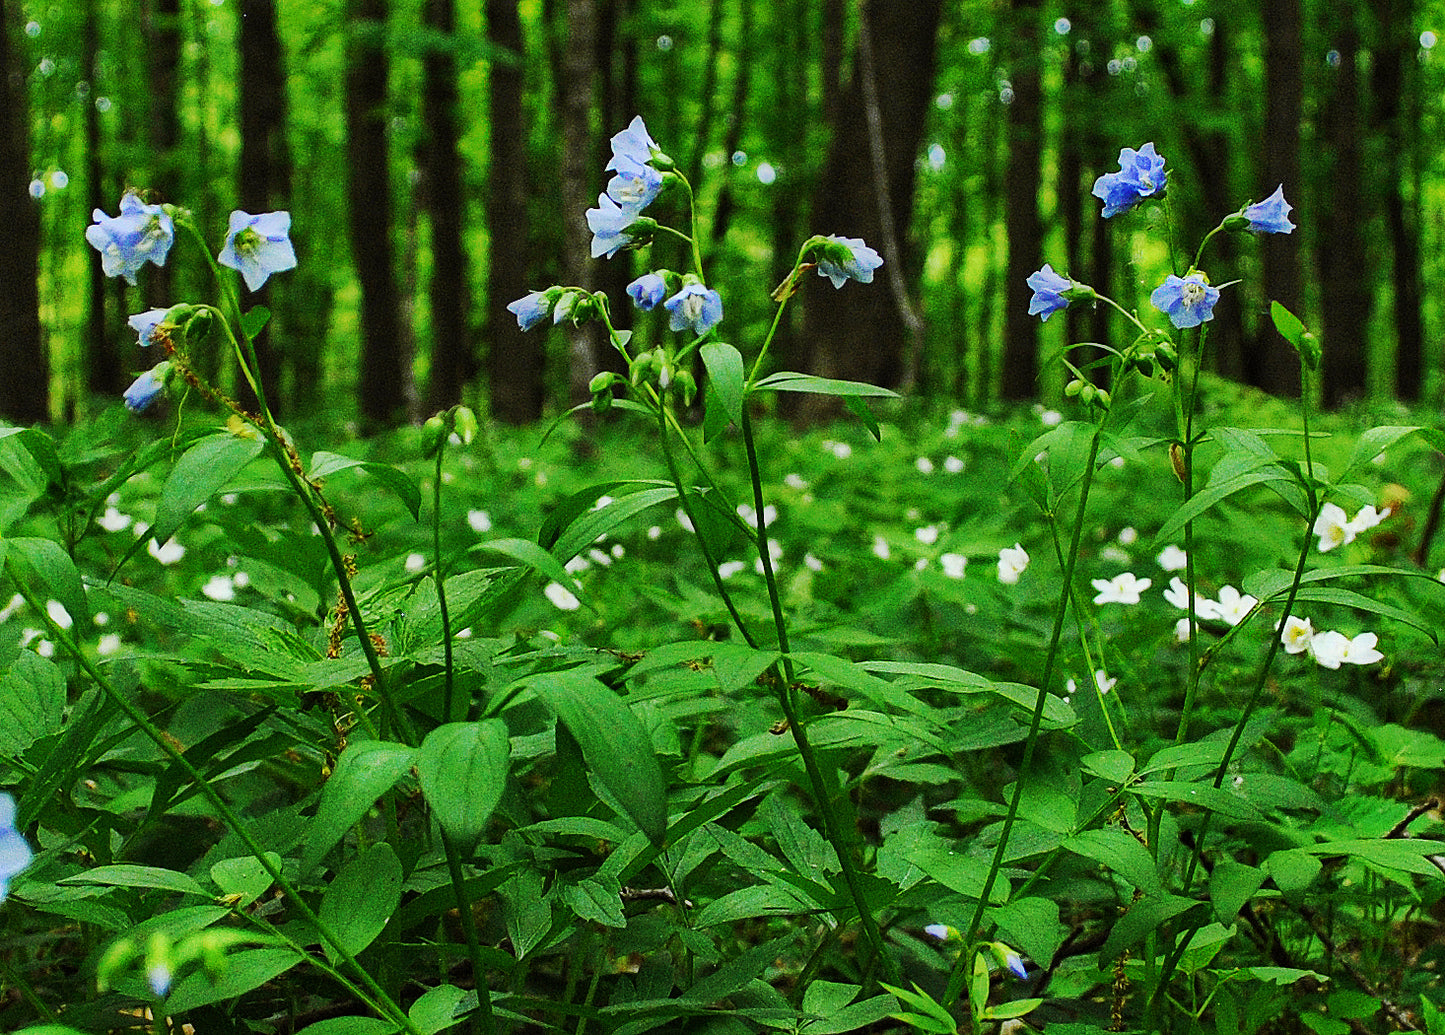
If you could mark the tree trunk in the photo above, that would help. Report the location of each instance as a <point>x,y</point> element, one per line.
<point>514,359</point>
<point>452,361</point>
<point>104,371</point>
<point>856,332</point>
<point>162,21</point>
<point>1021,204</point>
<point>384,375</point>
<point>1271,364</point>
<point>265,173</point>
<point>580,172</point>
<point>24,374</point>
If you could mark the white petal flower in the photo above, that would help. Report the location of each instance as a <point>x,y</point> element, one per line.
<point>219,587</point>
<point>880,548</point>
<point>168,554</point>
<point>1233,605</point>
<point>1361,650</point>
<point>953,564</point>
<point>1328,648</point>
<point>1103,681</point>
<point>727,569</point>
<point>113,520</point>
<point>1333,528</point>
<point>927,535</point>
<point>480,520</point>
<point>1173,558</point>
<point>1296,634</point>
<point>1178,595</point>
<point>58,614</point>
<point>924,465</point>
<point>1012,561</point>
<point>1123,588</point>
<point>415,562</point>
<point>562,598</point>
<point>1368,518</point>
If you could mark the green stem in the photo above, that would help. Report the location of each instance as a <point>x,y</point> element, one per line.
<point>380,1001</point>
<point>448,680</point>
<point>483,1022</point>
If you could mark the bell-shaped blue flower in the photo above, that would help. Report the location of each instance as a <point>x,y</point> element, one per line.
<point>635,185</point>
<point>140,234</point>
<point>145,389</point>
<point>633,144</point>
<point>145,324</point>
<point>696,307</point>
<point>608,221</point>
<point>1048,293</point>
<point>258,246</point>
<point>15,854</point>
<point>1188,301</point>
<point>532,309</point>
<point>1270,216</point>
<point>1141,175</point>
<point>647,291</point>
<point>847,258</point>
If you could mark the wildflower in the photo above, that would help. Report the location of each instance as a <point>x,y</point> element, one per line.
<point>608,223</point>
<point>1328,648</point>
<point>1123,588</point>
<point>926,534</point>
<point>647,291</point>
<point>58,614</point>
<point>1296,634</point>
<point>633,144</point>
<point>1141,175</point>
<point>1178,595</point>
<point>696,307</point>
<point>636,184</point>
<point>1188,301</point>
<point>258,246</point>
<point>953,465</point>
<point>812,563</point>
<point>531,309</point>
<point>15,854</point>
<point>775,557</point>
<point>1233,605</point>
<point>1182,630</point>
<point>479,520</point>
<point>1172,558</point>
<point>1360,650</point>
<point>1012,560</point>
<point>415,562</point>
<point>145,324</point>
<point>144,389</point>
<point>1048,293</point>
<point>1333,528</point>
<point>561,597</point>
<point>109,644</point>
<point>1128,535</point>
<point>1368,518</point>
<point>727,569</point>
<point>1270,216</point>
<point>140,234</point>
<point>924,465</point>
<point>219,587</point>
<point>954,565</point>
<point>847,258</point>
<point>169,553</point>
<point>940,931</point>
<point>880,548</point>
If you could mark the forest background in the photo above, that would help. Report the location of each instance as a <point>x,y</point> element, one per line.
<point>426,147</point>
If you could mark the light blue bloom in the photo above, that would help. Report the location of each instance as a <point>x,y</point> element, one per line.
<point>697,307</point>
<point>144,324</point>
<point>847,258</point>
<point>15,854</point>
<point>635,186</point>
<point>633,144</point>
<point>1187,301</point>
<point>531,309</point>
<point>1270,216</point>
<point>1141,175</point>
<point>258,246</point>
<point>607,222</point>
<point>647,291</point>
<point>1048,293</point>
<point>140,234</point>
<point>1016,964</point>
<point>144,390</point>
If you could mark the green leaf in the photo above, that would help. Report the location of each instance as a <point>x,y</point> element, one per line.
<point>253,320</point>
<point>1293,331</point>
<point>965,874</point>
<point>584,530</point>
<point>1212,494</point>
<point>437,1007</point>
<point>1293,869</point>
<point>351,1026</point>
<point>245,970</point>
<point>53,566</point>
<point>725,374</point>
<point>1033,925</point>
<point>1005,1011</point>
<point>1201,795</point>
<point>786,381</point>
<point>1121,852</point>
<point>858,407</point>
<point>614,743</point>
<point>462,767</point>
<point>129,876</point>
<point>32,702</point>
<point>596,900</point>
<point>366,770</point>
<point>530,554</point>
<point>361,899</point>
<point>201,472</point>
<point>244,876</point>
<point>1375,441</point>
<point>858,1017</point>
<point>1230,886</point>
<point>1114,766</point>
<point>1143,916</point>
<point>396,481</point>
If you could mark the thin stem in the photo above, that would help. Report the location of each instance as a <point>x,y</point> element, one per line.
<point>448,679</point>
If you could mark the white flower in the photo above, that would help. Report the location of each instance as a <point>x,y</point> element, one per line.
<point>1368,518</point>
<point>577,565</point>
<point>812,563</point>
<point>1123,588</point>
<point>1114,554</point>
<point>1012,561</point>
<point>168,554</point>
<point>58,614</point>
<point>1178,595</point>
<point>1328,648</point>
<point>1101,680</point>
<point>241,580</point>
<point>1181,630</point>
<point>1173,558</point>
<point>655,532</point>
<point>563,599</point>
<point>953,564</point>
<point>927,535</point>
<point>748,514</point>
<point>727,569</point>
<point>17,602</point>
<point>113,520</point>
<point>880,548</point>
<point>684,520</point>
<point>939,931</point>
<point>219,587</point>
<point>1128,536</point>
<point>841,450</point>
<point>795,481</point>
<point>108,645</point>
<point>602,501</point>
<point>1361,650</point>
<point>415,562</point>
<point>1296,634</point>
<point>1234,605</point>
<point>924,465</point>
<point>1333,528</point>
<point>618,551</point>
<point>775,555</point>
<point>953,465</point>
<point>1051,418</point>
<point>480,520</point>
<point>599,558</point>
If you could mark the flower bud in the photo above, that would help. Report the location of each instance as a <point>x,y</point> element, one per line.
<point>465,422</point>
<point>432,433</point>
<point>1073,388</point>
<point>687,383</point>
<point>1176,459</point>
<point>1087,392</point>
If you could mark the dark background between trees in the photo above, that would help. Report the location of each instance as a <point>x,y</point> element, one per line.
<point>437,156</point>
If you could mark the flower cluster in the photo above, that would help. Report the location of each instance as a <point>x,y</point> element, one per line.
<point>637,164</point>
<point>15,854</point>
<point>1335,529</point>
<point>1329,649</point>
<point>140,234</point>
<point>1141,175</point>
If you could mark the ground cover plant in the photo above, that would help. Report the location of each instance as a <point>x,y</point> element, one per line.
<point>1122,717</point>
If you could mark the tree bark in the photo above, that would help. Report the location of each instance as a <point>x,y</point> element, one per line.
<point>579,174</point>
<point>1021,204</point>
<point>24,373</point>
<point>162,21</point>
<point>514,359</point>
<point>104,372</point>
<point>861,333</point>
<point>385,381</point>
<point>452,361</point>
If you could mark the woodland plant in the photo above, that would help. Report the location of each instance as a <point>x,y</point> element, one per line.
<point>362,789</point>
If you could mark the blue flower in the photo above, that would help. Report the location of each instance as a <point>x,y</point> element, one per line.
<point>647,291</point>
<point>140,234</point>
<point>633,144</point>
<point>1048,293</point>
<point>697,307</point>
<point>635,186</point>
<point>531,309</point>
<point>144,389</point>
<point>144,324</point>
<point>15,854</point>
<point>607,222</point>
<point>1270,216</point>
<point>258,246</point>
<point>1141,175</point>
<point>1188,301</point>
<point>847,258</point>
